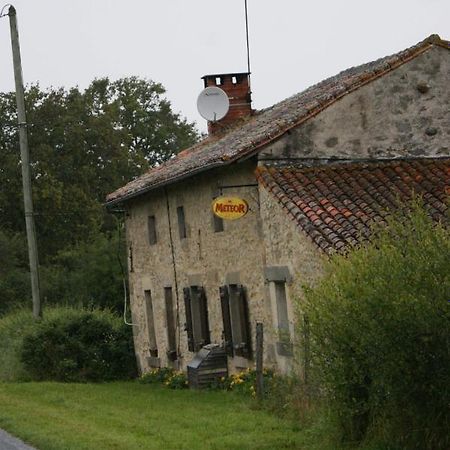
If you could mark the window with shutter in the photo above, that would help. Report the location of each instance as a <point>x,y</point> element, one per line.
<point>188,325</point>
<point>236,322</point>
<point>197,317</point>
<point>240,321</point>
<point>227,334</point>
<point>153,348</point>
<point>199,311</point>
<point>170,325</point>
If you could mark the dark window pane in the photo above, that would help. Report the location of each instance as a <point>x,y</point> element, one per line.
<point>282,312</point>
<point>151,225</point>
<point>188,324</point>
<point>181,222</point>
<point>227,333</point>
<point>217,223</point>
<point>170,324</point>
<point>150,323</point>
<point>200,325</point>
<point>240,324</point>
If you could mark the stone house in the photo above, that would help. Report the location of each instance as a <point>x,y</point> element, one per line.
<point>315,170</point>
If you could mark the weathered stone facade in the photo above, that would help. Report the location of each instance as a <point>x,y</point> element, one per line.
<point>205,257</point>
<point>404,113</point>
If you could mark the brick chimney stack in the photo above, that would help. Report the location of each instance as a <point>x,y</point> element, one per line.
<point>237,87</point>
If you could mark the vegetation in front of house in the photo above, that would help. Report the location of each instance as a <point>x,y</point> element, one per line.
<point>129,415</point>
<point>66,345</point>
<point>379,326</point>
<point>243,382</point>
<point>166,376</point>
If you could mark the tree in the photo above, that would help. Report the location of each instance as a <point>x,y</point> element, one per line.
<point>380,334</point>
<point>84,144</point>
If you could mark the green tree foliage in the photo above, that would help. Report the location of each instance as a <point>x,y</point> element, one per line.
<point>83,144</point>
<point>88,274</point>
<point>380,335</point>
<point>14,277</point>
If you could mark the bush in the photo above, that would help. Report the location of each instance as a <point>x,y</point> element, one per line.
<point>380,335</point>
<point>13,327</point>
<point>80,346</point>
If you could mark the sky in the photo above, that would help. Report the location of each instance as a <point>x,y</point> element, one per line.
<point>293,43</point>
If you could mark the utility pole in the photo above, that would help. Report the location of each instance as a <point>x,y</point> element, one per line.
<point>25,157</point>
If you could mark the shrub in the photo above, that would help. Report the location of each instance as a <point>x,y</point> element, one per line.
<point>380,335</point>
<point>79,345</point>
<point>13,327</point>
<point>245,381</point>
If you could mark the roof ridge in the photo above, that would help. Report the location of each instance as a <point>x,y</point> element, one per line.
<point>269,124</point>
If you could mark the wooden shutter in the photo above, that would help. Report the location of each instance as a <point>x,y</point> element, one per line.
<point>170,323</point>
<point>246,350</point>
<point>226,317</point>
<point>188,324</point>
<point>204,323</point>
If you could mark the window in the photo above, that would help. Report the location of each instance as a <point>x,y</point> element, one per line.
<point>282,312</point>
<point>197,326</point>
<point>170,325</point>
<point>278,276</point>
<point>284,344</point>
<point>181,222</point>
<point>151,227</point>
<point>150,324</point>
<point>236,325</point>
<point>217,224</point>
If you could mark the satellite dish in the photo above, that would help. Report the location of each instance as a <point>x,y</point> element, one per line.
<point>213,103</point>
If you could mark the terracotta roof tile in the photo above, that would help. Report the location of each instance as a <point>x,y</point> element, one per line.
<point>336,204</point>
<point>252,133</point>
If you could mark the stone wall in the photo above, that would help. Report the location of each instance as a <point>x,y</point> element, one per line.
<point>204,257</point>
<point>403,113</point>
<point>286,246</point>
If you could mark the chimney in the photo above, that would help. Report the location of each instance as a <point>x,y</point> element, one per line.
<point>237,87</point>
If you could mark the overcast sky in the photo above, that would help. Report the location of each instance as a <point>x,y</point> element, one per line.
<point>293,43</point>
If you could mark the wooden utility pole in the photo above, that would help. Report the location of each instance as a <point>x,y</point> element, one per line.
<point>25,157</point>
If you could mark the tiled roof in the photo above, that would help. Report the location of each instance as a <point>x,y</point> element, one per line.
<point>252,133</point>
<point>335,204</point>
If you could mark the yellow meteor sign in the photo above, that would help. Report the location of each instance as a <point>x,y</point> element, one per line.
<point>229,208</point>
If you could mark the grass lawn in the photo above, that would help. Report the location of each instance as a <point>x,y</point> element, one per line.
<point>128,415</point>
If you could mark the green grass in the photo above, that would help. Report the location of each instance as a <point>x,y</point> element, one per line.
<point>128,415</point>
